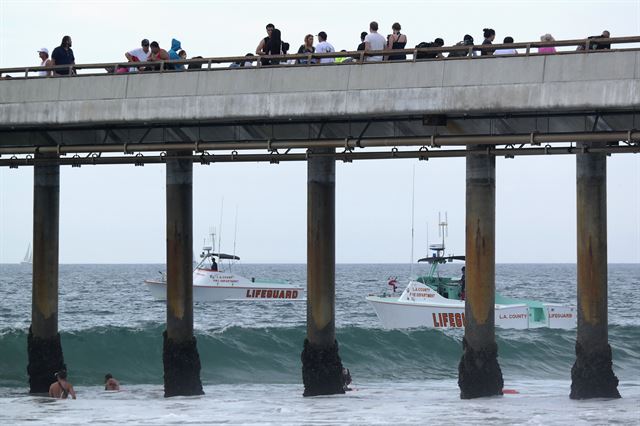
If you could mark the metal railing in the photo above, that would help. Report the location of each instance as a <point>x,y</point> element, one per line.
<point>140,154</point>
<point>353,57</point>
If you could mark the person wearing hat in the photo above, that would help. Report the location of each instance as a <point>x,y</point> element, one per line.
<point>140,54</point>
<point>43,53</point>
<point>324,46</point>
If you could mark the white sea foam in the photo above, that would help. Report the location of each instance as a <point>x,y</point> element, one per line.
<point>429,402</point>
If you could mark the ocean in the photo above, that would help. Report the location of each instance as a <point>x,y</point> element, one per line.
<point>250,354</point>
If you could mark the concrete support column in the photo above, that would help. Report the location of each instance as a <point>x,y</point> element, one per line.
<point>180,353</point>
<point>43,343</point>
<point>478,372</point>
<point>321,364</point>
<point>592,374</point>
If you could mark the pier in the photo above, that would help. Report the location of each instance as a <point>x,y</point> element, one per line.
<point>583,103</point>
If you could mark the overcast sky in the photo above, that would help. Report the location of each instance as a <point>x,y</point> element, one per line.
<point>116,214</point>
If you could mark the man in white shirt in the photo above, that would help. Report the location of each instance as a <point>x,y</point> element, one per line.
<point>43,53</point>
<point>324,47</point>
<point>507,40</point>
<point>140,54</point>
<point>374,41</point>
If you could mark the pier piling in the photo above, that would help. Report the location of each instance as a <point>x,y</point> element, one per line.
<point>321,364</point>
<point>43,342</point>
<point>479,373</point>
<point>592,374</point>
<point>180,353</point>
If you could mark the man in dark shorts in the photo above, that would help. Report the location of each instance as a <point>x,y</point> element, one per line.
<point>63,55</point>
<point>61,389</point>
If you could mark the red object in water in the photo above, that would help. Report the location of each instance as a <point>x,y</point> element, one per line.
<point>510,391</point>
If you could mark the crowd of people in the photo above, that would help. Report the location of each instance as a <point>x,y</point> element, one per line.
<point>62,389</point>
<point>273,44</point>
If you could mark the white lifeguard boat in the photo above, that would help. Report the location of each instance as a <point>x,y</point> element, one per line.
<point>433,301</point>
<point>211,284</point>
<point>419,305</point>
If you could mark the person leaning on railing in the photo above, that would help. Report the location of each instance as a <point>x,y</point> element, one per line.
<point>547,38</point>
<point>396,41</point>
<point>507,40</point>
<point>466,41</point>
<point>374,41</point>
<point>43,53</point>
<point>324,46</point>
<point>489,36</point>
<point>307,48</point>
<point>600,45</point>
<point>157,54</point>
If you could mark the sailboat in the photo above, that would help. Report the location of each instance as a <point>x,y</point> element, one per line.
<point>28,257</point>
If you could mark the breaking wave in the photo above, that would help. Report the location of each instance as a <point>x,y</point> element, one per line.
<point>272,355</point>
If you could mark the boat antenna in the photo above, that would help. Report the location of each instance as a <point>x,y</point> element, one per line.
<point>212,233</point>
<point>413,213</point>
<point>427,237</point>
<point>235,234</point>
<point>220,228</point>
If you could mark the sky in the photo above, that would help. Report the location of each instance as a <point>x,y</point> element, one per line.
<point>116,214</point>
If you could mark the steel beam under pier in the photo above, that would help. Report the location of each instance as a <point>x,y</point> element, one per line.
<point>180,353</point>
<point>478,372</point>
<point>44,347</point>
<point>321,364</point>
<point>592,374</point>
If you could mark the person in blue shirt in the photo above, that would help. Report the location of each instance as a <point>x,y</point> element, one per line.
<point>173,54</point>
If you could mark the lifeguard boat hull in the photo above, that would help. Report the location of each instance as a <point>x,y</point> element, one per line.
<point>419,306</point>
<point>216,286</point>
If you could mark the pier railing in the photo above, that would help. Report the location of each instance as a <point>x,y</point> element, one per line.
<point>583,46</point>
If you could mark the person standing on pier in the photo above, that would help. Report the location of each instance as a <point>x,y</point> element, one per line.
<point>43,53</point>
<point>374,41</point>
<point>63,55</point>
<point>307,48</point>
<point>176,46</point>
<point>489,36</point>
<point>157,54</point>
<point>362,45</point>
<point>140,54</point>
<point>396,41</point>
<point>264,47</point>
<point>507,40</point>
<point>547,38</point>
<point>324,46</point>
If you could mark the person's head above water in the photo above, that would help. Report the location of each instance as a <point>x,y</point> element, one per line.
<point>107,377</point>
<point>62,374</point>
